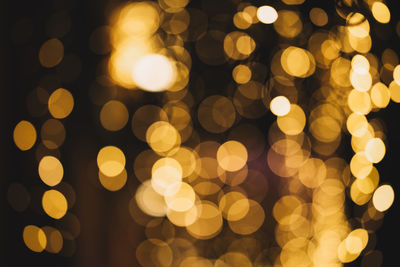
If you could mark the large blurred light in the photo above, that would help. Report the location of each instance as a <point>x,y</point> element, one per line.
<point>153,72</point>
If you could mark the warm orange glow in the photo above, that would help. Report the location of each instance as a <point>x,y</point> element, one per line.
<point>114,115</point>
<point>61,103</point>
<point>111,161</point>
<point>51,53</point>
<point>232,156</point>
<point>24,135</point>
<point>34,238</point>
<point>380,12</point>
<point>54,204</point>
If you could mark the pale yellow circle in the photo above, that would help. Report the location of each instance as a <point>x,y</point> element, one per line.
<point>149,201</point>
<point>295,61</point>
<point>380,12</point>
<point>383,197</point>
<point>312,173</point>
<point>359,102</point>
<point>294,122</point>
<point>380,95</point>
<point>357,124</point>
<point>394,89</point>
<point>184,218</point>
<point>356,241</point>
<point>166,176</point>
<point>360,166</point>
<point>361,81</point>
<point>232,156</point>
<point>111,161</point>
<point>360,64</point>
<point>183,200</point>
<point>358,26</point>
<point>51,170</point>
<point>162,137</point>
<point>375,150</point>
<point>280,106</point>
<point>140,19</point>
<point>396,74</point>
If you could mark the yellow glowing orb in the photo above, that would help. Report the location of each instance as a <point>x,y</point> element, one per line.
<point>380,12</point>
<point>232,156</point>
<point>111,161</point>
<point>375,150</point>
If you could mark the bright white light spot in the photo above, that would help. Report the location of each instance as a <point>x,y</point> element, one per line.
<point>267,14</point>
<point>280,106</point>
<point>383,197</point>
<point>153,73</point>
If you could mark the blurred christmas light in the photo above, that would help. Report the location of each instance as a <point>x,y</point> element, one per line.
<point>213,179</point>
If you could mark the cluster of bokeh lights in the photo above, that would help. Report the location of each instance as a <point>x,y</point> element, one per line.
<point>207,171</point>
